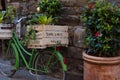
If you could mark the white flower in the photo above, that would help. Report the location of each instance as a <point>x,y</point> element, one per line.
<point>38,9</point>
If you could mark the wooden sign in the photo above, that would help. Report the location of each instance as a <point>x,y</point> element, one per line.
<point>49,41</point>
<point>49,35</point>
<point>48,27</point>
<point>5,31</point>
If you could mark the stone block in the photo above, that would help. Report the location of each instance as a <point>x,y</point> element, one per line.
<point>72,3</point>
<point>78,39</point>
<point>74,52</point>
<point>71,34</point>
<point>32,7</point>
<point>16,5</point>
<point>24,9</point>
<point>73,76</point>
<point>71,10</point>
<point>70,20</point>
<point>18,0</point>
<point>75,68</point>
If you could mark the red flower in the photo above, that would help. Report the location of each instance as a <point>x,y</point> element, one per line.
<point>92,5</point>
<point>65,61</point>
<point>59,48</point>
<point>97,34</point>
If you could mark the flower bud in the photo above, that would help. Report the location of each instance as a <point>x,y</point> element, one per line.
<point>38,9</point>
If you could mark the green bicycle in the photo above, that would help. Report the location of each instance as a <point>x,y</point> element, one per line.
<point>43,61</point>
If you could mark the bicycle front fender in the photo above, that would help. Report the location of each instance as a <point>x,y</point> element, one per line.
<point>17,62</point>
<point>61,58</point>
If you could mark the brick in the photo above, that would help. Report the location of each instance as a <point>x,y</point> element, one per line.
<point>72,3</point>
<point>24,9</point>
<point>71,34</point>
<point>73,76</point>
<point>76,66</point>
<point>17,0</point>
<point>74,52</point>
<point>16,5</point>
<point>71,10</point>
<point>71,20</point>
<point>78,39</point>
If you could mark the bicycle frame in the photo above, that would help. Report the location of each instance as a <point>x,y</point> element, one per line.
<point>18,49</point>
<point>61,58</point>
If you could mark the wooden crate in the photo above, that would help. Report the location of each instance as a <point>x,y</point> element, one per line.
<point>5,31</point>
<point>49,35</point>
<point>48,27</point>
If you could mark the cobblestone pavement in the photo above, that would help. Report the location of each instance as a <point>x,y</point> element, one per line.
<point>23,75</point>
<point>20,75</point>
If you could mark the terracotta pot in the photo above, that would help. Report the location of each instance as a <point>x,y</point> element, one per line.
<point>101,68</point>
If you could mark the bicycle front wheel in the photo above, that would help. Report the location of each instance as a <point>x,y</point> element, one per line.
<point>7,65</point>
<point>48,64</point>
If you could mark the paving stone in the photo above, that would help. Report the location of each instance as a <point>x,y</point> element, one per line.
<point>23,74</point>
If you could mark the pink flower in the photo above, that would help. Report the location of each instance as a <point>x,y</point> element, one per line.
<point>97,34</point>
<point>92,5</point>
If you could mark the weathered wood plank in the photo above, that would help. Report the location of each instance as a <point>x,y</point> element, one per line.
<point>48,27</point>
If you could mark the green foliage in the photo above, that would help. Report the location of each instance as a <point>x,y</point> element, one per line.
<point>2,14</point>
<point>36,19</point>
<point>45,20</point>
<point>103,28</point>
<point>31,34</point>
<point>50,7</point>
<point>49,12</point>
<point>40,19</point>
<point>10,14</point>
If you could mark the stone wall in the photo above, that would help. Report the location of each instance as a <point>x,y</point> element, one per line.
<point>71,12</point>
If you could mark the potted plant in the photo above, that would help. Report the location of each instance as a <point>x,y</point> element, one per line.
<point>7,22</point>
<point>10,15</point>
<point>42,33</point>
<point>101,58</point>
<point>36,22</point>
<point>41,29</point>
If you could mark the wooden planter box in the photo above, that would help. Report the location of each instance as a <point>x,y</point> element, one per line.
<point>49,35</point>
<point>5,31</point>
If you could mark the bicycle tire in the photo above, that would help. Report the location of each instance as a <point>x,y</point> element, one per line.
<point>53,70</point>
<point>7,65</point>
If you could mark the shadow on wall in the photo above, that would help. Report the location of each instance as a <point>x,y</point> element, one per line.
<point>2,5</point>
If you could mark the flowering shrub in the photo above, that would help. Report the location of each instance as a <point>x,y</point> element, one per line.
<point>103,28</point>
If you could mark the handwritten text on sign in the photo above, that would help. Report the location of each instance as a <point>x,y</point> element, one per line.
<point>51,34</point>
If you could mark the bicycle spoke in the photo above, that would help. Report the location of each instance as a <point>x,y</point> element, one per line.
<point>50,64</point>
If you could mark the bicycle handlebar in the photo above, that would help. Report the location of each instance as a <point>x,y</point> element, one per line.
<point>19,20</point>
